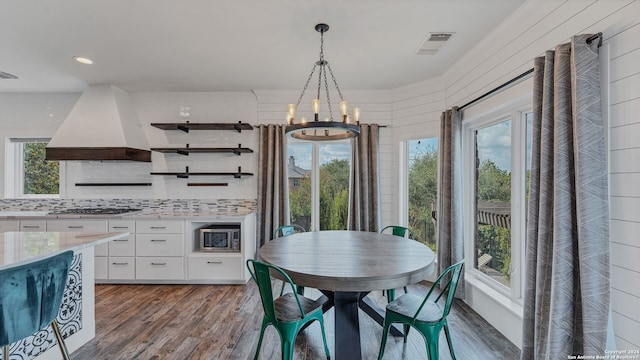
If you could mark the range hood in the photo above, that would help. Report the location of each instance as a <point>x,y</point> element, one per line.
<point>102,125</point>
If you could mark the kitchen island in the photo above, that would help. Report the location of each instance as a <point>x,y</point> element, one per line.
<point>77,316</point>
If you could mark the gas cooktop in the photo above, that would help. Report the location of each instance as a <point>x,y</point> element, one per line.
<point>96,211</point>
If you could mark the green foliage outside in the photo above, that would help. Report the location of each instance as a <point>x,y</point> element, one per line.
<point>423,192</point>
<point>494,185</point>
<point>40,176</point>
<point>334,196</point>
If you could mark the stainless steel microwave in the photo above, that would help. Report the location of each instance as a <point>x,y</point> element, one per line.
<point>220,238</point>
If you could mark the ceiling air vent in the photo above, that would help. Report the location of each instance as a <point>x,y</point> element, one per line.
<point>4,75</point>
<point>433,43</point>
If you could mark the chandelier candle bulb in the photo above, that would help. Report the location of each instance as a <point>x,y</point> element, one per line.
<point>303,120</point>
<point>315,106</point>
<point>344,109</point>
<point>356,116</point>
<point>291,112</point>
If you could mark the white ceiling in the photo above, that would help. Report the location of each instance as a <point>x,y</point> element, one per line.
<point>208,45</point>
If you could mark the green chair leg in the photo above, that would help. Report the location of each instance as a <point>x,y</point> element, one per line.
<point>448,335</point>
<point>385,334</point>
<point>262,328</point>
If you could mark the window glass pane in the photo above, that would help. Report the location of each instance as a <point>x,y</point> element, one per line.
<point>299,173</point>
<point>423,189</point>
<point>493,201</point>
<point>41,177</point>
<point>334,161</point>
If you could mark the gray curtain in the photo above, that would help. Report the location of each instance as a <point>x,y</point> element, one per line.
<point>450,231</point>
<point>364,195</point>
<point>273,195</point>
<point>566,300</point>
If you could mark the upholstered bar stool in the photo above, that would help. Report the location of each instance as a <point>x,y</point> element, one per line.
<point>30,299</point>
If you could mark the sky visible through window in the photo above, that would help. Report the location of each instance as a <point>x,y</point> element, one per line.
<point>494,143</point>
<point>302,153</point>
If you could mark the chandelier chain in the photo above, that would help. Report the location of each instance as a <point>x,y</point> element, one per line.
<point>306,84</point>
<point>326,88</point>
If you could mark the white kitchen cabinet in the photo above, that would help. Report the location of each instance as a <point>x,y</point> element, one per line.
<point>122,252</point>
<point>33,225</point>
<point>77,225</point>
<point>159,250</point>
<point>160,268</point>
<point>215,267</point>
<point>9,225</point>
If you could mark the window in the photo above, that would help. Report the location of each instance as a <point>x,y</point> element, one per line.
<point>320,200</point>
<point>497,167</point>
<point>422,189</point>
<point>28,173</point>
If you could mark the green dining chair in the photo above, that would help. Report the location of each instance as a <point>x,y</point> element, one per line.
<point>30,298</point>
<point>425,315</point>
<point>285,230</point>
<point>288,313</point>
<point>402,232</point>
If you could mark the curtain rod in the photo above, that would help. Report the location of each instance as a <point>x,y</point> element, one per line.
<point>589,40</point>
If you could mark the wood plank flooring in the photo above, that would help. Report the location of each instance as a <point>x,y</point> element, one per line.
<point>183,322</point>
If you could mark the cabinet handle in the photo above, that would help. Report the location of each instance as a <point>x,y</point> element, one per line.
<point>121,240</point>
<point>162,263</point>
<point>158,240</point>
<point>214,262</point>
<point>124,263</point>
<point>31,226</point>
<point>120,227</point>
<point>158,227</point>
<point>75,227</point>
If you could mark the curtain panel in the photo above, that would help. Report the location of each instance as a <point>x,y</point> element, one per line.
<point>450,210</point>
<point>273,195</point>
<point>566,302</point>
<point>364,194</point>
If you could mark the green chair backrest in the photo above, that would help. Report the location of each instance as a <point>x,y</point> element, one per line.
<point>452,273</point>
<point>285,230</point>
<point>31,296</point>
<point>261,274</point>
<point>398,231</point>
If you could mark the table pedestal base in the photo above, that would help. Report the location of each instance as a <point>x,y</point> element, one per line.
<point>347,321</point>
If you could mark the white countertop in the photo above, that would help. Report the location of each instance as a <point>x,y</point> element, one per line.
<point>146,214</point>
<point>20,247</point>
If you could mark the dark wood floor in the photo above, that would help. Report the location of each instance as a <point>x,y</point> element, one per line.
<point>223,322</point>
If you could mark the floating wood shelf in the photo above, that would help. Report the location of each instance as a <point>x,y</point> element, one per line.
<point>186,126</point>
<point>207,184</point>
<point>187,150</point>
<point>187,173</point>
<point>113,184</point>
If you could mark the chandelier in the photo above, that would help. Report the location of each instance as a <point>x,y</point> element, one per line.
<point>327,129</point>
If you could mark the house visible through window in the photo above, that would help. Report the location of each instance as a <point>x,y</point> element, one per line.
<point>319,184</point>
<point>29,174</point>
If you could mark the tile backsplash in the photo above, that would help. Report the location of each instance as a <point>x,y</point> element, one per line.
<point>178,205</point>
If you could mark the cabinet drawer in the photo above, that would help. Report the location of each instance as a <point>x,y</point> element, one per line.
<point>33,225</point>
<point>159,268</point>
<point>77,225</point>
<point>122,267</point>
<point>9,225</point>
<point>101,250</point>
<point>159,245</point>
<point>122,226</point>
<point>215,268</point>
<point>123,247</point>
<point>159,226</point>
<point>101,267</point>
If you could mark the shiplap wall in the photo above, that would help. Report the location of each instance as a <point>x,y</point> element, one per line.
<point>535,27</point>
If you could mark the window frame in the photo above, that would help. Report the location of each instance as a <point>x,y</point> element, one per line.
<point>315,174</point>
<point>513,110</point>
<point>14,169</point>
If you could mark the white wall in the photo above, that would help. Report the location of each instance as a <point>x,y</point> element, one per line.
<point>534,28</point>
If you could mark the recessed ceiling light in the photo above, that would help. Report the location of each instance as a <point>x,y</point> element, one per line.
<point>83,60</point>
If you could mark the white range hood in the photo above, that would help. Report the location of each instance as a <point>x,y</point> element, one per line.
<point>101,126</point>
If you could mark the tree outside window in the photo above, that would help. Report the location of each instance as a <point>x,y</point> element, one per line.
<point>41,177</point>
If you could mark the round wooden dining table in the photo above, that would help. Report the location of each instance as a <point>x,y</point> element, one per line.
<point>345,266</point>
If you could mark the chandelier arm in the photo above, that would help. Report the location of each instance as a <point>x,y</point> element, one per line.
<point>335,82</point>
<point>304,89</point>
